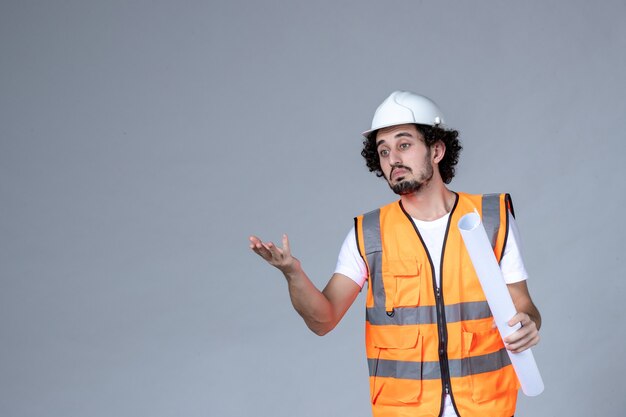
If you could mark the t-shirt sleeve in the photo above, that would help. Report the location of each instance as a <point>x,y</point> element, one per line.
<point>349,262</point>
<point>512,263</point>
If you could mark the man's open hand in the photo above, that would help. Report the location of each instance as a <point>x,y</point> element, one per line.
<point>281,258</point>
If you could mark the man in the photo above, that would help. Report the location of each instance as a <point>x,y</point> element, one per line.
<point>432,348</point>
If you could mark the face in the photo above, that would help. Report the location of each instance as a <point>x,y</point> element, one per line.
<point>404,158</point>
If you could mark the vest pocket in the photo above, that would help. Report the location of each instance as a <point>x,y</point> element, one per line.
<point>402,282</point>
<point>396,373</point>
<point>491,375</point>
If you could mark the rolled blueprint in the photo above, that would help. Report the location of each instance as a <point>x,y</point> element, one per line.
<point>498,298</point>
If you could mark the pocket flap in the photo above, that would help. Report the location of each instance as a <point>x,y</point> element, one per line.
<point>402,267</point>
<point>394,337</point>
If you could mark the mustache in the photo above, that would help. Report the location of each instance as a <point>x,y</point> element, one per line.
<point>393,168</point>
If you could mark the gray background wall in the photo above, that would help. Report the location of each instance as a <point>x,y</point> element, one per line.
<point>142,142</point>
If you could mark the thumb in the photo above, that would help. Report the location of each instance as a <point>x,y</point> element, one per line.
<point>286,248</point>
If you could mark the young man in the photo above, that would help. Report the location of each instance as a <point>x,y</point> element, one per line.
<point>432,349</point>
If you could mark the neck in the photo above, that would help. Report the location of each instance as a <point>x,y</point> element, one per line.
<point>429,203</point>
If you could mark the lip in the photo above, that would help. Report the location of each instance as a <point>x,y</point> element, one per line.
<point>398,172</point>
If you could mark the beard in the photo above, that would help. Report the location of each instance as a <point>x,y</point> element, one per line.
<point>405,186</point>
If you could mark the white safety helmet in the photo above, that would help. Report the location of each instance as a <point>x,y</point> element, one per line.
<point>403,107</point>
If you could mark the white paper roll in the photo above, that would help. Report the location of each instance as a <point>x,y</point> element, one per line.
<point>498,298</point>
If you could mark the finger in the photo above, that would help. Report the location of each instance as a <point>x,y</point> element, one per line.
<point>527,326</point>
<point>516,348</point>
<point>253,241</point>
<point>514,320</point>
<point>262,251</point>
<point>521,318</point>
<point>522,339</point>
<point>260,248</point>
<point>516,341</point>
<point>286,247</point>
<point>515,337</point>
<point>523,344</point>
<point>275,250</point>
<point>519,336</point>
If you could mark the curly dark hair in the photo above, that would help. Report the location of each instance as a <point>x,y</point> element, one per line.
<point>432,134</point>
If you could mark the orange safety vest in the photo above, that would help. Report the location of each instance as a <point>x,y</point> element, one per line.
<point>422,342</point>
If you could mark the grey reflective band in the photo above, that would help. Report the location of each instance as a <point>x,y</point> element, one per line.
<point>479,364</point>
<point>491,216</point>
<point>431,370</point>
<point>402,315</point>
<point>473,310</point>
<point>508,206</point>
<point>373,250</point>
<point>404,369</point>
<point>371,232</point>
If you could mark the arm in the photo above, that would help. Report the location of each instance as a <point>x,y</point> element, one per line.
<point>527,314</point>
<point>321,310</point>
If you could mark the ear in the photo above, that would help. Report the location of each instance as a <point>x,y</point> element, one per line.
<point>438,150</point>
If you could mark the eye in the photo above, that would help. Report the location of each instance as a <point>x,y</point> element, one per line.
<point>404,145</point>
<point>383,152</point>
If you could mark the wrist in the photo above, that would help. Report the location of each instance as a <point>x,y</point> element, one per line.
<point>292,270</point>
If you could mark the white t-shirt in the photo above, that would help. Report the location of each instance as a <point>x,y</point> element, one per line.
<point>433,232</point>
<point>350,263</point>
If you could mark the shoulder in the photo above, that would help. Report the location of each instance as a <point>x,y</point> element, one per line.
<point>487,200</point>
<point>395,205</point>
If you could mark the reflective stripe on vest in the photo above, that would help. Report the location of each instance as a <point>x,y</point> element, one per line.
<point>431,370</point>
<point>374,250</point>
<point>472,310</point>
<point>491,216</point>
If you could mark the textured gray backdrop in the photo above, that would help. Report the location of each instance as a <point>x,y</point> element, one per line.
<point>141,142</point>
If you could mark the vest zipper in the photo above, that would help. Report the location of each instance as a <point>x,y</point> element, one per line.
<point>441,320</point>
<point>441,315</point>
<point>443,343</point>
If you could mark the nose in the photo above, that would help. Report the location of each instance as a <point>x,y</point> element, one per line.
<point>394,157</point>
